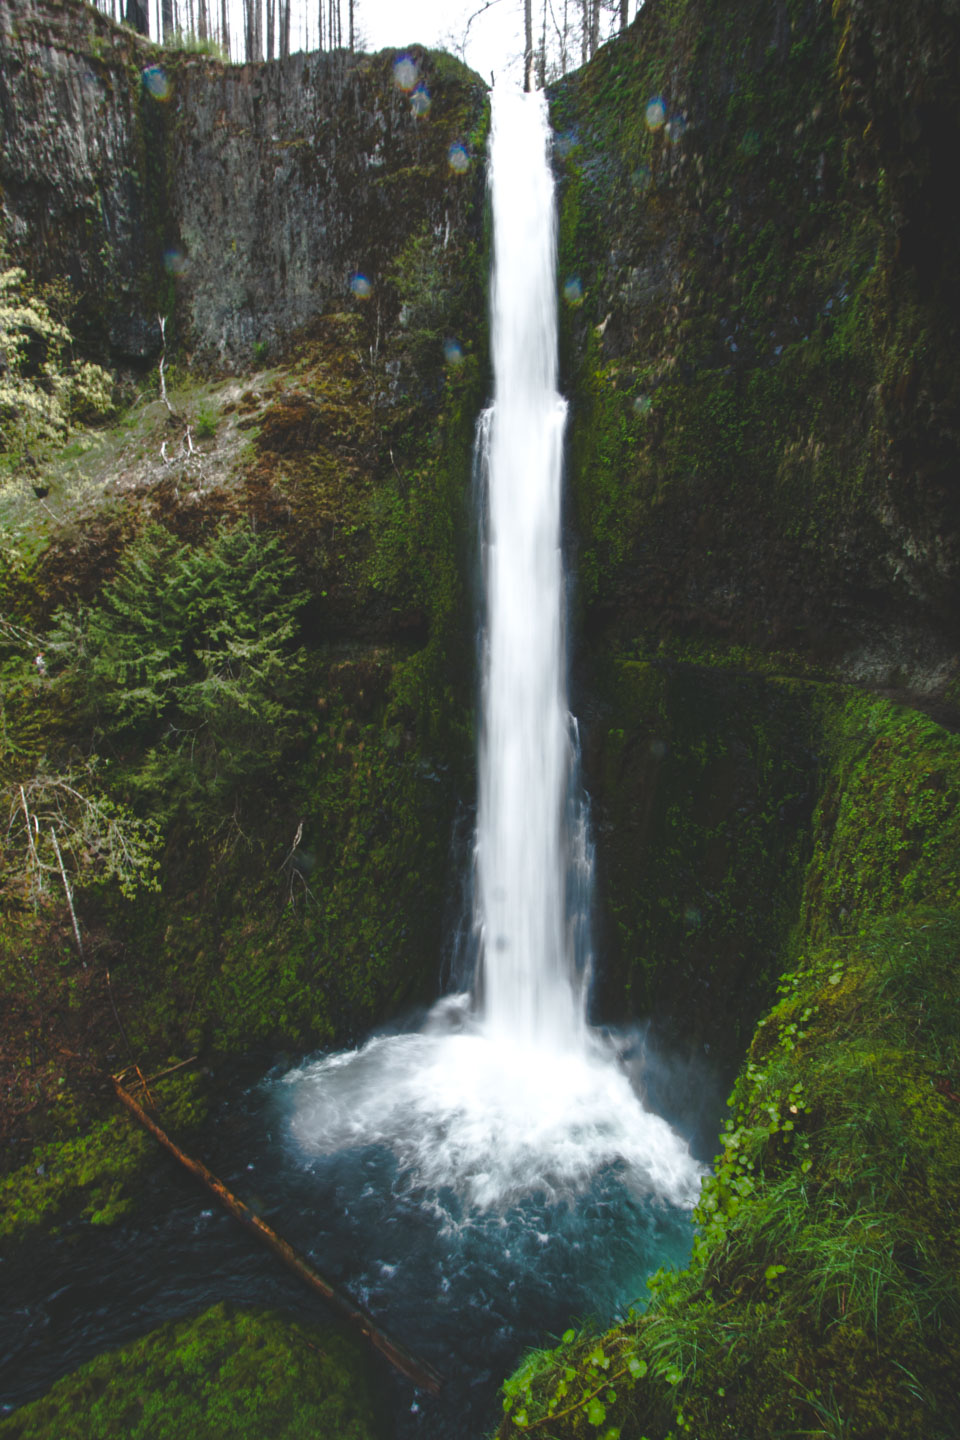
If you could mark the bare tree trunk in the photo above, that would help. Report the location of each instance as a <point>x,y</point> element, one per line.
<point>353,28</point>
<point>203,28</point>
<point>285,29</point>
<point>594,27</point>
<point>224,28</point>
<point>271,19</point>
<point>624,14</point>
<point>528,45</point>
<point>138,16</point>
<point>69,893</point>
<point>167,22</point>
<point>254,29</point>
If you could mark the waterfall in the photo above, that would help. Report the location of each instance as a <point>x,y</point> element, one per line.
<point>523,853</point>
<point>506,1097</point>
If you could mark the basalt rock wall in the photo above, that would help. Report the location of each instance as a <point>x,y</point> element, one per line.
<point>757,229</point>
<point>239,201</point>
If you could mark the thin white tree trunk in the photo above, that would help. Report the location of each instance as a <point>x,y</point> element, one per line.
<point>69,893</point>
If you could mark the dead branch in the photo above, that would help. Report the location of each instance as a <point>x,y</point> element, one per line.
<point>416,1370</point>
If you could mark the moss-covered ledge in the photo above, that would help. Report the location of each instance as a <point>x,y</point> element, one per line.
<point>228,1374</point>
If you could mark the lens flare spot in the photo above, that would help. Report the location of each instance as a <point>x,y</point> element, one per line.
<point>420,101</point>
<point>674,129</point>
<point>453,352</point>
<point>459,159</point>
<point>655,113</point>
<point>360,286</point>
<point>405,73</point>
<point>156,83</point>
<point>642,405</point>
<point>175,262</point>
<point>573,290</point>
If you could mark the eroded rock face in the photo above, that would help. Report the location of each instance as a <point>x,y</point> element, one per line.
<point>72,160</point>
<point>758,210</point>
<point>241,199</point>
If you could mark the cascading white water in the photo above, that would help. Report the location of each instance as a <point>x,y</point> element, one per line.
<point>529,987</point>
<point>511,1096</point>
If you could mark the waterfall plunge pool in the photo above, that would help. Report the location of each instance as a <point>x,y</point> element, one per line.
<point>479,1182</point>
<point>468,1235</point>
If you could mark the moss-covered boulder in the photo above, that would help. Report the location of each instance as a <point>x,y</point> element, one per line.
<point>228,1374</point>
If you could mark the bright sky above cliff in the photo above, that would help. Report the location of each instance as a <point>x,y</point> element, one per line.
<point>494,38</point>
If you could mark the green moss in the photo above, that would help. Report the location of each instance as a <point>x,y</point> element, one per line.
<point>94,1174</point>
<point>225,1375</point>
<point>887,824</point>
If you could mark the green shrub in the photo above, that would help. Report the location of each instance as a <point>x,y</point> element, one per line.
<point>42,389</point>
<point>189,653</point>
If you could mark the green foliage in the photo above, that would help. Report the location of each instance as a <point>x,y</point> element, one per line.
<point>888,822</point>
<point>95,1174</point>
<point>190,650</point>
<point>228,1374</point>
<point>67,817</point>
<point>43,390</point>
<point>205,426</point>
<point>187,43</point>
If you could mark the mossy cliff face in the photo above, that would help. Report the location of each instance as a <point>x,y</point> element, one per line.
<point>703,783</point>
<point>238,201</point>
<point>756,216</point>
<point>760,360</point>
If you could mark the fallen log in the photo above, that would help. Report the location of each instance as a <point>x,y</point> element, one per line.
<point>416,1370</point>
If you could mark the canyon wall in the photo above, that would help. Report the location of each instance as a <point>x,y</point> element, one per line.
<point>239,200</point>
